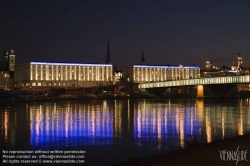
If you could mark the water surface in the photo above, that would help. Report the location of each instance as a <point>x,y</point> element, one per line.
<point>112,131</point>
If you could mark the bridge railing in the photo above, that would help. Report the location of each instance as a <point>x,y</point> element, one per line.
<point>199,81</point>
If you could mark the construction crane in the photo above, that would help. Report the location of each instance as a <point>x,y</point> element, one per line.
<point>210,63</point>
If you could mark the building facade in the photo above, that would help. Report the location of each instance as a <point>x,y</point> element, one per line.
<point>9,60</point>
<point>5,80</point>
<point>150,73</point>
<point>7,67</point>
<point>42,74</point>
<point>117,76</point>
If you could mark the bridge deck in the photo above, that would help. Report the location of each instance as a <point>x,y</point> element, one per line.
<point>199,81</point>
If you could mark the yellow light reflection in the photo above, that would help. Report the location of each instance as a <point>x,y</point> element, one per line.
<point>38,121</point>
<point>6,125</point>
<point>223,124</point>
<point>48,119</point>
<point>208,127</point>
<point>177,117</point>
<point>93,119</point>
<point>240,123</point>
<point>200,109</point>
<point>182,133</point>
<point>139,118</point>
<point>128,116</point>
<point>159,128</point>
<point>66,122</point>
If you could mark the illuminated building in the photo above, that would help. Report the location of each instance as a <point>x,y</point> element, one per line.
<point>42,74</point>
<point>9,60</point>
<point>7,69</point>
<point>150,73</point>
<point>117,76</point>
<point>4,80</point>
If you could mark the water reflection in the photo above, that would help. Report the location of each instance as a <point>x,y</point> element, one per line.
<point>164,124</point>
<point>70,124</point>
<point>121,128</point>
<point>6,125</point>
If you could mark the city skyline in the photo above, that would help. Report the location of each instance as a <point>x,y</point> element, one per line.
<point>171,33</point>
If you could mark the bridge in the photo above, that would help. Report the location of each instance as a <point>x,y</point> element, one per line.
<point>221,82</point>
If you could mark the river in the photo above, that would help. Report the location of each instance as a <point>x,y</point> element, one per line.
<point>112,131</point>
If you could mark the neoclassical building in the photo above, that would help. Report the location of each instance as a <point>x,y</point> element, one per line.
<point>43,74</point>
<point>153,73</point>
<point>48,74</point>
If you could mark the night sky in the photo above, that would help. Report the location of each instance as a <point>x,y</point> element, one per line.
<point>173,32</point>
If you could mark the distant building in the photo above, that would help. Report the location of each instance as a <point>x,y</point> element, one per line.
<point>42,74</point>
<point>151,73</point>
<point>7,67</point>
<point>9,60</point>
<point>117,76</point>
<point>209,74</point>
<point>5,80</point>
<point>225,71</point>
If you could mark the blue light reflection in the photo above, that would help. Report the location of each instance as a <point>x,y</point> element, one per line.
<point>162,123</point>
<point>54,125</point>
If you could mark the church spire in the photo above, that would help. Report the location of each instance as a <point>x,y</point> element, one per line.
<point>11,51</point>
<point>6,56</point>
<point>108,59</point>
<point>143,61</point>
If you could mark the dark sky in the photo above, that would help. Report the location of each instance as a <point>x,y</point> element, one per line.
<point>172,32</point>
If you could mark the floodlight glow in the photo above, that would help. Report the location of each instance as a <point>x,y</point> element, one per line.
<point>233,71</point>
<point>67,64</point>
<point>175,67</point>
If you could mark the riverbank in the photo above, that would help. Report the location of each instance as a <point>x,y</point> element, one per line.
<point>207,154</point>
<point>82,96</point>
<point>108,96</point>
<point>41,96</point>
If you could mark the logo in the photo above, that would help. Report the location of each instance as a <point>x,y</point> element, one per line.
<point>233,155</point>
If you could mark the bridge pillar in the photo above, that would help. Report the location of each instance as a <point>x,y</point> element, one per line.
<point>200,91</point>
<point>217,91</point>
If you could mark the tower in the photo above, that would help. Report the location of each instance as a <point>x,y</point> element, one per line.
<point>12,60</point>
<point>108,59</point>
<point>239,61</point>
<point>143,61</point>
<point>6,59</point>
